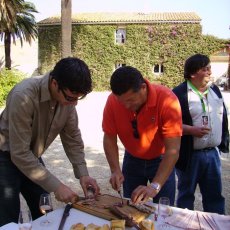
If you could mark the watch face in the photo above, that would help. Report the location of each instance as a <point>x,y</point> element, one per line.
<point>156,186</point>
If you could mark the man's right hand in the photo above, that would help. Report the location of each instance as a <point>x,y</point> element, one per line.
<point>64,194</point>
<point>200,131</point>
<point>116,180</point>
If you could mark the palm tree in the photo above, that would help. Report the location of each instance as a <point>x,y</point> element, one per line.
<point>8,12</point>
<point>16,21</point>
<point>66,27</point>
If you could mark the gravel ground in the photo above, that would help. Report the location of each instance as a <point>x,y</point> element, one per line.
<point>90,115</point>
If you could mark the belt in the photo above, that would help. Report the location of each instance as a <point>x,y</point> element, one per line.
<point>205,149</point>
<point>130,156</point>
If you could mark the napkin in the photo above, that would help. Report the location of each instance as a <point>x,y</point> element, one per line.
<point>222,221</point>
<point>197,220</point>
<point>185,219</point>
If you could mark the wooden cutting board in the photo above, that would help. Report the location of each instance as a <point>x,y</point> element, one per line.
<point>99,208</point>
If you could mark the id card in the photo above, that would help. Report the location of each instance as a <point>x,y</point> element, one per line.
<point>205,120</point>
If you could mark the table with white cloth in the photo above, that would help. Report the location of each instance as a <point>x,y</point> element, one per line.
<point>77,216</point>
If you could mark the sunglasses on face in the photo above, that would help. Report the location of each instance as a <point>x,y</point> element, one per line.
<point>71,99</point>
<point>135,130</point>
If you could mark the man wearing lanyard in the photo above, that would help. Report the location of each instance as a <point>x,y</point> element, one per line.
<point>205,134</point>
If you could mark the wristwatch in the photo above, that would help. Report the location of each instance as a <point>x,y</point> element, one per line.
<point>156,186</point>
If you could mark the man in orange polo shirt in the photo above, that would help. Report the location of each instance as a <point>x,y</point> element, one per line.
<point>147,119</point>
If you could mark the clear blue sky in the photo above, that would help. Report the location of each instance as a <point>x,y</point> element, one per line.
<point>215,14</point>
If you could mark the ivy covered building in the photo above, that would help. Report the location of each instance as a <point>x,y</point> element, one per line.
<point>155,43</point>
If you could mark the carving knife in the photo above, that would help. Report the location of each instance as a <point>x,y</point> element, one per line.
<point>122,201</point>
<point>64,216</point>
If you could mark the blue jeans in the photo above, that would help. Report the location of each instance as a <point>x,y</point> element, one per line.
<point>205,170</point>
<point>12,183</point>
<point>139,172</point>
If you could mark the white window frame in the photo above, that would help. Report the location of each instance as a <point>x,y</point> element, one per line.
<point>120,35</point>
<point>119,64</point>
<point>160,69</point>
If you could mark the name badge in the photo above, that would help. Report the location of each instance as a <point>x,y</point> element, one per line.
<point>205,120</point>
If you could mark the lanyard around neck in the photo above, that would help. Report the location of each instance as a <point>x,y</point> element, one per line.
<point>201,95</point>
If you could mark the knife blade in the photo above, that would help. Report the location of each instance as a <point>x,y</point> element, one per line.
<point>64,216</point>
<point>122,201</point>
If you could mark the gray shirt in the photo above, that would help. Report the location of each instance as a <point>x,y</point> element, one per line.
<point>30,123</point>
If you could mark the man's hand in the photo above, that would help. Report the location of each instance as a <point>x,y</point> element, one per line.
<point>64,194</point>
<point>142,194</point>
<point>86,182</point>
<point>116,180</point>
<point>196,131</point>
<point>200,131</point>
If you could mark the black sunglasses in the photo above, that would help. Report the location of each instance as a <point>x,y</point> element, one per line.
<point>135,130</point>
<point>71,99</point>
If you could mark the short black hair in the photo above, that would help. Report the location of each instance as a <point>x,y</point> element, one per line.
<point>73,74</point>
<point>195,63</point>
<point>125,78</point>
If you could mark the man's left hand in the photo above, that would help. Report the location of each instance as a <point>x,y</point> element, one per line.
<point>142,194</point>
<point>86,182</point>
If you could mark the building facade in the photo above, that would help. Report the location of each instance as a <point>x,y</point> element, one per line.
<point>155,43</point>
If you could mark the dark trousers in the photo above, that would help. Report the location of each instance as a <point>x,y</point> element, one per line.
<point>12,183</point>
<point>139,172</point>
<point>205,171</point>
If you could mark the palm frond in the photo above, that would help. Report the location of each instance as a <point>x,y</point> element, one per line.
<point>18,22</point>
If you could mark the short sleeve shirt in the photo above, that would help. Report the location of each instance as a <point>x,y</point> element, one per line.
<point>159,118</point>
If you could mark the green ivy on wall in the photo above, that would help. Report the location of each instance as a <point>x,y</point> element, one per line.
<point>145,46</point>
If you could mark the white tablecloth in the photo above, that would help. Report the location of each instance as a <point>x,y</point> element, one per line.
<point>55,217</point>
<point>10,226</point>
<point>77,216</point>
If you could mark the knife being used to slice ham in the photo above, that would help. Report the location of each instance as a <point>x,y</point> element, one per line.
<point>122,201</point>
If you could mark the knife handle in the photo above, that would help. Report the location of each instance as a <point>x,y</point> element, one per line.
<point>64,216</point>
<point>67,208</point>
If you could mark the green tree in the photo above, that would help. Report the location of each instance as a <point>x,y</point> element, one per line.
<point>16,21</point>
<point>66,27</point>
<point>8,12</point>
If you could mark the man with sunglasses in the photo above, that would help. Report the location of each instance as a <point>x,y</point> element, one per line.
<point>38,109</point>
<point>147,119</point>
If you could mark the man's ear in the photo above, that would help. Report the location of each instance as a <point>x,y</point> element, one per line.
<point>54,83</point>
<point>143,85</point>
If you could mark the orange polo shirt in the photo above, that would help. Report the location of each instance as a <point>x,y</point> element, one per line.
<point>160,117</point>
